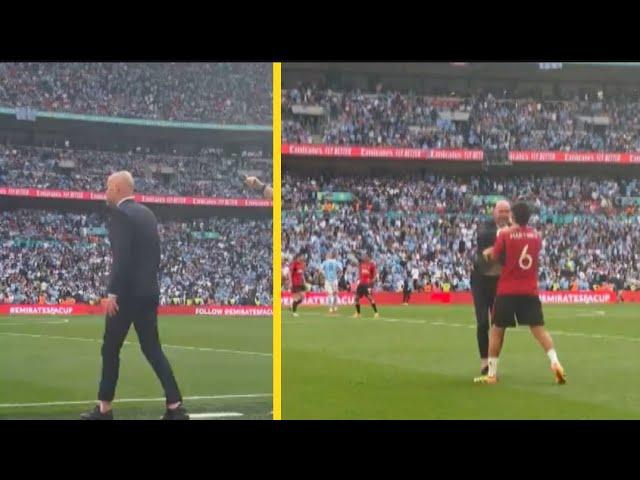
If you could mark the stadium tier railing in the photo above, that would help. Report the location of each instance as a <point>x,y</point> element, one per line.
<point>35,114</point>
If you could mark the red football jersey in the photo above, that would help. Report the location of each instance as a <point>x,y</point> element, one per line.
<point>297,273</point>
<point>367,273</point>
<point>520,248</point>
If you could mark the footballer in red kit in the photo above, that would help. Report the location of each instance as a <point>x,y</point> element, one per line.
<point>366,277</point>
<point>517,248</point>
<point>296,275</point>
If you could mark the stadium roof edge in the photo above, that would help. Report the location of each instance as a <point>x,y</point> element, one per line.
<point>607,72</point>
<point>142,122</point>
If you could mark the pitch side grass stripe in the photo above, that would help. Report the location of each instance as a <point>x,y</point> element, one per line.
<point>183,347</point>
<point>473,326</point>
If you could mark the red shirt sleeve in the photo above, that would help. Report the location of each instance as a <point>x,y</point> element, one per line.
<point>499,245</point>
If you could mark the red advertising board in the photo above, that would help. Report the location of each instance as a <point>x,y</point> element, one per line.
<point>82,309</point>
<point>436,298</point>
<point>575,157</point>
<point>395,153</point>
<point>630,296</point>
<point>143,198</point>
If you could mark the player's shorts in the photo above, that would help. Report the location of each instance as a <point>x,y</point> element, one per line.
<point>362,290</point>
<point>298,288</point>
<point>331,287</point>
<point>527,309</point>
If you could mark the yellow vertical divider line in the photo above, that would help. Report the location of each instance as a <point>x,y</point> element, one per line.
<point>277,239</point>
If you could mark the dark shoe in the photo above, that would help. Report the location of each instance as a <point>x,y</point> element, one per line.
<point>95,414</point>
<point>179,413</point>
<point>485,371</point>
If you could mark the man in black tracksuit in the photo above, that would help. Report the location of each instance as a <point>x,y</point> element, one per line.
<point>484,278</point>
<point>406,289</point>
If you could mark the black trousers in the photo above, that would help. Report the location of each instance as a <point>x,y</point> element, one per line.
<point>483,289</point>
<point>142,312</point>
<point>406,294</point>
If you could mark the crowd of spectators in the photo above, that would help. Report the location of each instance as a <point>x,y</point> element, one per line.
<point>53,257</point>
<point>228,93</point>
<point>430,193</point>
<point>426,228</point>
<point>210,173</point>
<point>387,118</point>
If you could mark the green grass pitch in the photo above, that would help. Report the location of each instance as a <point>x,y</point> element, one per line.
<point>418,362</point>
<point>50,366</point>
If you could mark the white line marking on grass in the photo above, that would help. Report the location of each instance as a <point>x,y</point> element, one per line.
<point>53,322</point>
<point>133,400</point>
<point>402,320</point>
<point>473,326</point>
<point>182,347</point>
<point>594,313</point>
<point>204,416</point>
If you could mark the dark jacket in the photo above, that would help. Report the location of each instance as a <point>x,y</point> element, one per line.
<point>135,245</point>
<point>487,232</point>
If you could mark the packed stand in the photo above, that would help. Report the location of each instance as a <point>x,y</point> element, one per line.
<point>52,257</point>
<point>476,122</point>
<point>470,194</point>
<point>424,230</point>
<point>210,173</point>
<point>229,93</point>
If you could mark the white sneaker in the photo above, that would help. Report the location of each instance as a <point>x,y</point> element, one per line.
<point>295,314</point>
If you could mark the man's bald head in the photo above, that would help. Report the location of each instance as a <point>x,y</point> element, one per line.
<point>502,213</point>
<point>119,185</point>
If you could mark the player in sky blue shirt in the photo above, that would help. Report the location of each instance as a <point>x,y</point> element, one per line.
<point>331,269</point>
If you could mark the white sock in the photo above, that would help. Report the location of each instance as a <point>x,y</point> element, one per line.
<point>553,356</point>
<point>493,366</point>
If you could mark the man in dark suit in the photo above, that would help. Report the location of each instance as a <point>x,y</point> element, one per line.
<point>133,297</point>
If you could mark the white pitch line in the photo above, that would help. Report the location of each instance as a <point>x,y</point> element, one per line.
<point>132,400</point>
<point>470,326</point>
<point>183,347</point>
<point>55,322</point>
<point>594,313</point>
<point>204,416</point>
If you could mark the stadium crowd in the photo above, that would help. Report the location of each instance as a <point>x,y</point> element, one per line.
<point>387,118</point>
<point>229,93</point>
<point>426,228</point>
<point>53,257</point>
<point>469,194</point>
<point>210,173</point>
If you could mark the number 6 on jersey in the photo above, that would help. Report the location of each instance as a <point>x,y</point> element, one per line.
<point>525,261</point>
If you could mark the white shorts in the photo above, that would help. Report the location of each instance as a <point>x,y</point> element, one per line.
<point>331,287</point>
